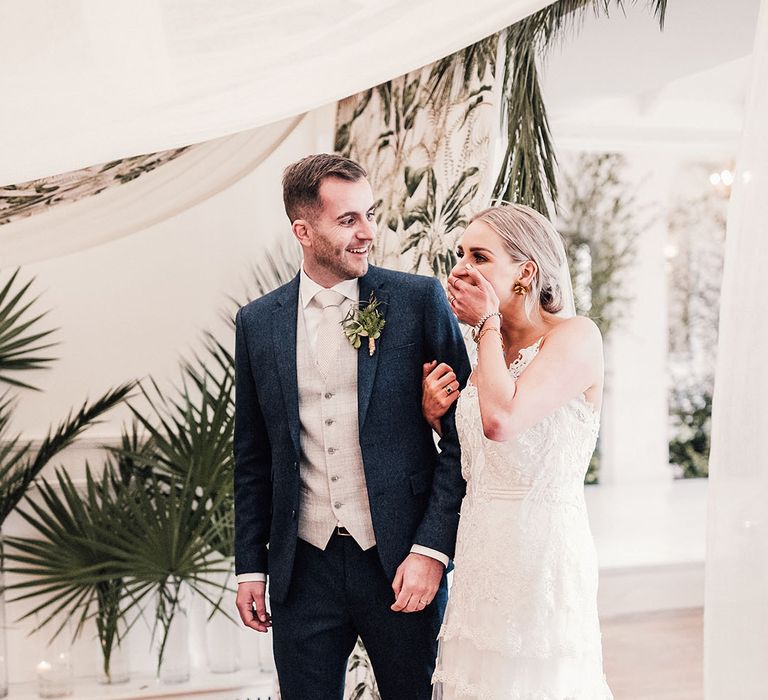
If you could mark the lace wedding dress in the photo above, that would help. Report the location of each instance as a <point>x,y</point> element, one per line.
<point>521,622</point>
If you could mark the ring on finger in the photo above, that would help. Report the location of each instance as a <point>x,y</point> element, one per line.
<point>449,390</point>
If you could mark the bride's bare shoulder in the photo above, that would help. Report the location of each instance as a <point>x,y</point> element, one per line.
<point>578,330</point>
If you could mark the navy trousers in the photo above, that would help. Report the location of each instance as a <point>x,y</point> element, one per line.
<point>335,596</point>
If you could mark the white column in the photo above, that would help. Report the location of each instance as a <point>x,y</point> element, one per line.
<point>634,445</point>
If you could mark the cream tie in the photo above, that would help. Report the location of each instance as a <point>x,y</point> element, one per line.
<point>329,332</point>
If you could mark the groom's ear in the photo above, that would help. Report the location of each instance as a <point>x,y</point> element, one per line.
<point>301,229</point>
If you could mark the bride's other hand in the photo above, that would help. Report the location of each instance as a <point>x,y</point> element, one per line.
<point>471,295</point>
<point>439,389</point>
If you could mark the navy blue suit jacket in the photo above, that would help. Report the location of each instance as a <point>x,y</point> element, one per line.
<point>415,491</point>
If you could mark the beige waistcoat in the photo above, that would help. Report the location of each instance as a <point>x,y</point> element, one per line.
<point>333,490</point>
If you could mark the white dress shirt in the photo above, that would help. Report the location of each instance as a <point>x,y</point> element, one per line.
<point>312,315</point>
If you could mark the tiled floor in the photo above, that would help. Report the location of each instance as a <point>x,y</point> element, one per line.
<point>655,656</point>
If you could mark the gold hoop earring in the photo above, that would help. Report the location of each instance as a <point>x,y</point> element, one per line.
<point>520,288</point>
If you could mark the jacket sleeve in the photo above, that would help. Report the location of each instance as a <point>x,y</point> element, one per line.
<point>253,465</point>
<point>444,343</point>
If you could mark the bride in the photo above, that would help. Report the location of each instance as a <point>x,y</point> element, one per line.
<point>522,617</point>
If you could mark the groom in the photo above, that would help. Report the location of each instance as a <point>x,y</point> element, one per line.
<point>340,494</point>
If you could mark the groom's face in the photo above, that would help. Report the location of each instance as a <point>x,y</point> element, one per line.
<point>340,231</point>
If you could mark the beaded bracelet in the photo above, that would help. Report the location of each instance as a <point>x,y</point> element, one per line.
<point>479,325</point>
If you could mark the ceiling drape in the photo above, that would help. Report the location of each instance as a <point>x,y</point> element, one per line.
<point>91,81</point>
<point>63,214</point>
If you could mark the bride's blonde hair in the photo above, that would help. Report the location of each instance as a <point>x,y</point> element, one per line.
<point>528,235</point>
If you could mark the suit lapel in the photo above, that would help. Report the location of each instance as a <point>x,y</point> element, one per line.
<point>284,341</point>
<point>372,282</point>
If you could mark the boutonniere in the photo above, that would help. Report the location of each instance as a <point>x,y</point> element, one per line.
<point>364,321</point>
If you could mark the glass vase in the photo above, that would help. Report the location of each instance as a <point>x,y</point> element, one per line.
<point>54,670</point>
<point>119,659</point>
<point>175,664</point>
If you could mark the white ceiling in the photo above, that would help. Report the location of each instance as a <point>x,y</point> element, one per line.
<point>620,81</point>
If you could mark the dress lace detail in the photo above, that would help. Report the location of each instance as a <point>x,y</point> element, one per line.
<point>522,622</point>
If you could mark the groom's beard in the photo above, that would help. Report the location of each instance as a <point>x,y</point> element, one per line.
<point>339,261</point>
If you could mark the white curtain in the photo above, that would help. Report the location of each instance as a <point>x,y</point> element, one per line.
<point>91,81</point>
<point>736,601</point>
<point>124,208</point>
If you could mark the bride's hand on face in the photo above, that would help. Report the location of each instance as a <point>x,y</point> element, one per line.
<point>471,295</point>
<point>439,390</point>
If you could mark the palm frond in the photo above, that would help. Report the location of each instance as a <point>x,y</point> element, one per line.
<point>20,465</point>
<point>660,11</point>
<point>64,568</point>
<point>191,435</point>
<point>165,541</point>
<point>123,467</point>
<point>102,553</point>
<point>528,175</point>
<point>20,346</point>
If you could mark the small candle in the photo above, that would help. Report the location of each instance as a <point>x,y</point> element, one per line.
<point>54,682</point>
<point>43,669</point>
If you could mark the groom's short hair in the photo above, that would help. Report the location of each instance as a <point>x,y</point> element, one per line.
<point>302,180</point>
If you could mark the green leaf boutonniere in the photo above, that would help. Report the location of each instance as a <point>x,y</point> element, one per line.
<point>365,321</point>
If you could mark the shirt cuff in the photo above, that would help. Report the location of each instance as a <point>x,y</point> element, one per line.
<point>250,578</point>
<point>427,552</point>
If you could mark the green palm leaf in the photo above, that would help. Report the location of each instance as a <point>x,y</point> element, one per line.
<point>64,568</point>
<point>191,438</point>
<point>20,464</point>
<point>20,345</point>
<point>165,541</point>
<point>106,553</point>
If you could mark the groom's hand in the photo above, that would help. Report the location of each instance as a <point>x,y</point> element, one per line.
<point>416,582</point>
<point>251,606</point>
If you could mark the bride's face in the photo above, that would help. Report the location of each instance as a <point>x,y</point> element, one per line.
<point>482,247</point>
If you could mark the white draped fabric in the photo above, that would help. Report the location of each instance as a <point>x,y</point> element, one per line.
<point>736,601</point>
<point>91,81</point>
<point>122,209</point>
